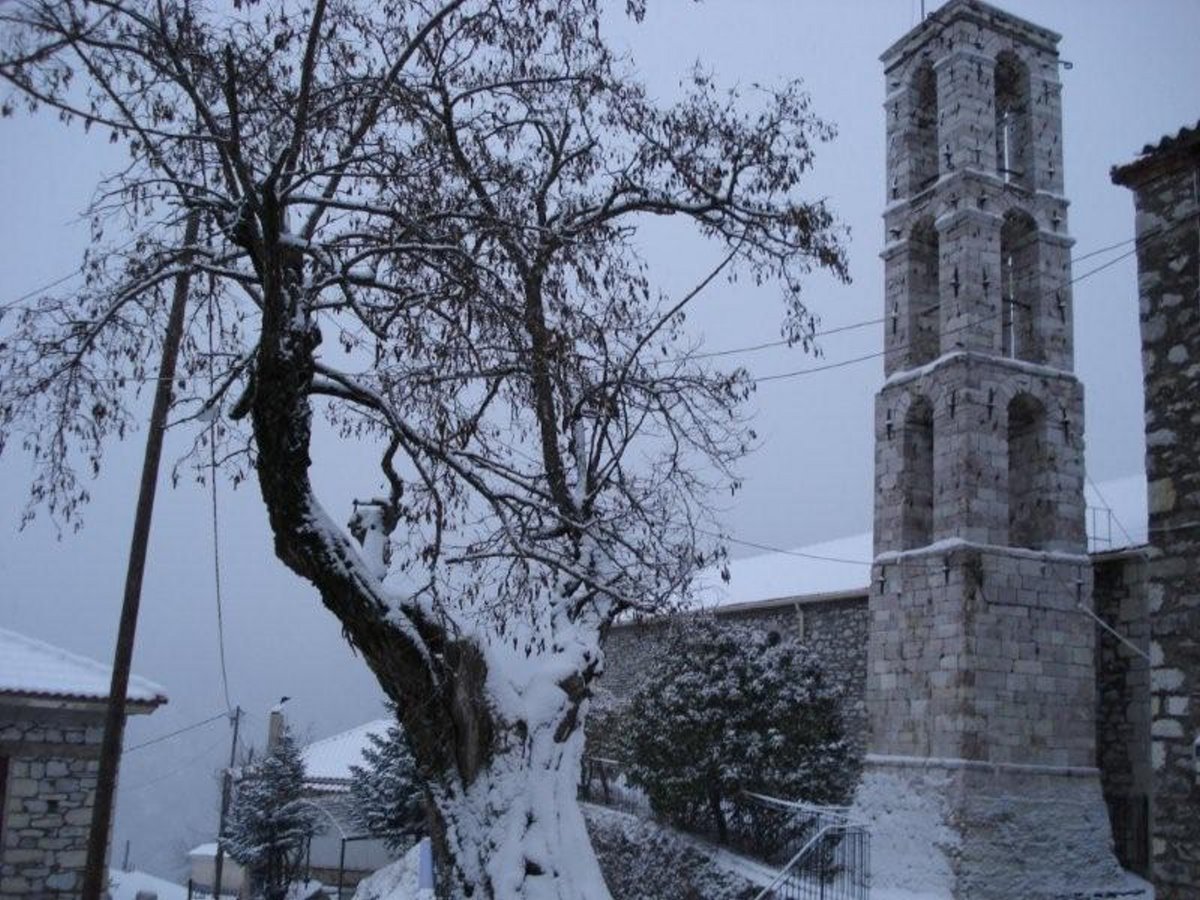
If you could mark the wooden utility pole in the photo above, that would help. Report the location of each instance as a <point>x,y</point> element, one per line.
<point>94,880</point>
<point>226,790</point>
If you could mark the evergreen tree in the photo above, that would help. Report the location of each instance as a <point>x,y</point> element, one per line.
<point>728,708</point>
<point>269,823</point>
<point>388,795</point>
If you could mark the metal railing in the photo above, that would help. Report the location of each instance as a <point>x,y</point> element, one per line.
<point>602,781</point>
<point>832,860</point>
<point>821,854</point>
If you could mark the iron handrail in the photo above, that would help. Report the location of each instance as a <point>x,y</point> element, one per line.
<point>796,860</point>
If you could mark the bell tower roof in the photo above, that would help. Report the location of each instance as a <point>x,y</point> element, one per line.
<point>982,15</point>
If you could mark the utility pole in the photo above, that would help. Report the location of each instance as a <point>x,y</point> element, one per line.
<point>226,790</point>
<point>94,880</point>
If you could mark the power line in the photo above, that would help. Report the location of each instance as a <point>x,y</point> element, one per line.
<point>800,553</point>
<point>969,324</point>
<point>187,764</point>
<point>216,531</point>
<point>171,734</point>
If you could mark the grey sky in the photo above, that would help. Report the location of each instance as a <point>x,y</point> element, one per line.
<point>1135,77</point>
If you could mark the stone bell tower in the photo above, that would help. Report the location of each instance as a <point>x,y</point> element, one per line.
<point>980,683</point>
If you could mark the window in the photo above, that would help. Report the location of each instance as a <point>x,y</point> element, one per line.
<point>1029,517</point>
<point>924,307</point>
<point>1020,290</point>
<point>916,522</point>
<point>1014,160</point>
<point>924,128</point>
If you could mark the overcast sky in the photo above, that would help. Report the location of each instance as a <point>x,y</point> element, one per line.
<point>1135,76</point>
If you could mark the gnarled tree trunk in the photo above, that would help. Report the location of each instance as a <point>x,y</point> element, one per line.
<point>496,732</point>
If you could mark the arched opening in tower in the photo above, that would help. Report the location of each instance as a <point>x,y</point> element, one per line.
<point>916,522</point>
<point>924,305</point>
<point>1020,290</point>
<point>1013,131</point>
<point>1029,516</point>
<point>924,149</point>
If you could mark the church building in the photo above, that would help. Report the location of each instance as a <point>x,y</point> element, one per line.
<point>1026,703</point>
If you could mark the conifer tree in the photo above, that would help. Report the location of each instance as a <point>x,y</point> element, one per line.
<point>269,823</point>
<point>388,795</point>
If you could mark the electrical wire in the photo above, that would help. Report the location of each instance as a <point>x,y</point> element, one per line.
<point>762,379</point>
<point>178,731</point>
<point>216,531</point>
<point>187,764</point>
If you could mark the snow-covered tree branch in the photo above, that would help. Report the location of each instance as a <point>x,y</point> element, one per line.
<point>419,225</point>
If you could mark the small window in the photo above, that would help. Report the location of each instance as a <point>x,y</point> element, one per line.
<point>1014,160</point>
<point>924,306</point>
<point>1029,516</point>
<point>916,520</point>
<point>1020,288</point>
<point>923,145</point>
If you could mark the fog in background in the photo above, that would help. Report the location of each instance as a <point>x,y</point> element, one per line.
<point>1135,77</point>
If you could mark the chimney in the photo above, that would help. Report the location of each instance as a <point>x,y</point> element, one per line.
<point>275,724</point>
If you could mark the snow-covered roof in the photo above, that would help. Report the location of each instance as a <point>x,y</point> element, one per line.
<point>327,762</point>
<point>126,885</point>
<point>209,849</point>
<point>836,566</point>
<point>1116,519</point>
<point>30,667</point>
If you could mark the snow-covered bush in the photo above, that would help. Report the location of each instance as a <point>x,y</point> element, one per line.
<point>726,708</point>
<point>644,861</point>
<point>269,823</point>
<point>388,795</point>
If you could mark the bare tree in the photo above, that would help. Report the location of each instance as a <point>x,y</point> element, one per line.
<point>450,188</point>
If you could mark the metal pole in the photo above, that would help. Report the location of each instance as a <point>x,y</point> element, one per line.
<point>226,790</point>
<point>94,880</point>
<point>341,867</point>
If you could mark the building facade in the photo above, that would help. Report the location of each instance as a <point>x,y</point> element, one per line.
<point>1165,181</point>
<point>52,706</point>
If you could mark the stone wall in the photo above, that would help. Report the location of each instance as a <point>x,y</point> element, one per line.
<point>1166,190</point>
<point>833,629</point>
<point>53,759</point>
<point>1123,703</point>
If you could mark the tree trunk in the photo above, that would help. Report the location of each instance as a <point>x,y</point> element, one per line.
<point>496,729</point>
<point>718,813</point>
<point>516,832</point>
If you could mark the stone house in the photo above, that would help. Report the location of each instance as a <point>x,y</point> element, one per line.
<point>1162,590</point>
<point>52,705</point>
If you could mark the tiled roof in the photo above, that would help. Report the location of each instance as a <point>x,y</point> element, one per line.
<point>1186,135</point>
<point>1184,141</point>
<point>29,667</point>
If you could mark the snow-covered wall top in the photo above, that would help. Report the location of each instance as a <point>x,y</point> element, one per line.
<point>34,668</point>
<point>1116,519</point>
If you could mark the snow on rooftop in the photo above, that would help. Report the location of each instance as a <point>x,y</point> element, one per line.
<point>30,666</point>
<point>329,760</point>
<point>1116,519</point>
<point>127,886</point>
<point>842,564</point>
